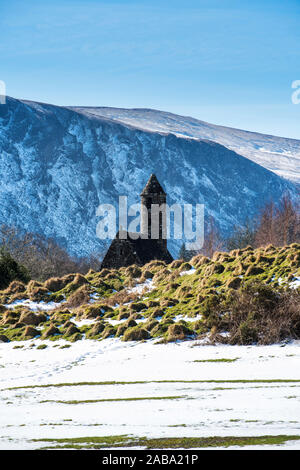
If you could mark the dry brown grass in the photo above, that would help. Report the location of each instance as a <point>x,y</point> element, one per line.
<point>79,297</point>
<point>15,287</point>
<point>55,284</point>
<point>122,297</point>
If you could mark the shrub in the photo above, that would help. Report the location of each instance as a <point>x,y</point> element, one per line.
<point>10,270</point>
<point>246,333</point>
<point>262,314</point>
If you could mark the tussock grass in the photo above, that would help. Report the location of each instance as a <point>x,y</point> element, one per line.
<point>244,293</point>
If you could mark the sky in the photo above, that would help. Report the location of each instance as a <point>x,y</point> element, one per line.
<point>227,62</point>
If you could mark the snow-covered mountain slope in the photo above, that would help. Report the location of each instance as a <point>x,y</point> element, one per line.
<point>57,165</point>
<point>278,154</point>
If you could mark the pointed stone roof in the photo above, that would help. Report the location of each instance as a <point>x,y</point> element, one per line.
<point>153,186</point>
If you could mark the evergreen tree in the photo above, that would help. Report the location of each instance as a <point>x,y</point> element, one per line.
<point>10,270</point>
<point>185,254</point>
<point>242,236</point>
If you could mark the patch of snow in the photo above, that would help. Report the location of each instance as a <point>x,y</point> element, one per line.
<point>292,284</point>
<point>34,306</point>
<point>190,271</point>
<point>295,284</point>
<point>187,318</point>
<point>139,288</point>
<point>94,297</point>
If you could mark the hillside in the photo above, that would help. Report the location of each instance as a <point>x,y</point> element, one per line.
<point>242,297</point>
<point>58,164</point>
<point>278,154</point>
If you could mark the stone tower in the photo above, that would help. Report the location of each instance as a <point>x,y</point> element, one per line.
<point>125,251</point>
<point>153,214</point>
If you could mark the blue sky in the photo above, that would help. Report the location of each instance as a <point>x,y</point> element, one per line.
<point>226,62</point>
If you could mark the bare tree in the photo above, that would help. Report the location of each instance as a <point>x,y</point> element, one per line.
<point>42,256</point>
<point>213,241</point>
<point>278,224</point>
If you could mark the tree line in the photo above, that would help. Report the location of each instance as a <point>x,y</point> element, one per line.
<point>276,224</point>
<point>39,257</point>
<point>26,255</point>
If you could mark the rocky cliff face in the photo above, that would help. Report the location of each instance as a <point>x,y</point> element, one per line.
<point>58,164</point>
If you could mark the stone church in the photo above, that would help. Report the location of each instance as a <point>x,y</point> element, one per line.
<point>126,249</point>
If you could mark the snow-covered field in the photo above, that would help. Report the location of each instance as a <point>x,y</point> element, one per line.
<point>256,393</point>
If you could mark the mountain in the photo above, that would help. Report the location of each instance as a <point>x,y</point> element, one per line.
<point>57,164</point>
<point>278,154</point>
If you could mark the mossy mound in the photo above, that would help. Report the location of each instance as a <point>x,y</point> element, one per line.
<point>15,287</point>
<point>178,331</point>
<point>136,334</point>
<point>30,318</point>
<point>54,284</point>
<point>51,331</point>
<point>37,292</point>
<point>207,297</point>
<point>79,296</point>
<point>96,330</point>
<point>31,332</point>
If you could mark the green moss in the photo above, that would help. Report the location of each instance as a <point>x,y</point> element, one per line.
<point>108,331</point>
<point>104,400</point>
<point>14,334</point>
<point>94,332</point>
<point>217,360</point>
<point>212,291</point>
<point>102,442</point>
<point>162,328</point>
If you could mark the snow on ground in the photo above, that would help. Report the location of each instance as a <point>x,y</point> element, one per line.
<point>190,271</point>
<point>147,286</point>
<point>295,284</point>
<point>34,306</point>
<point>249,396</point>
